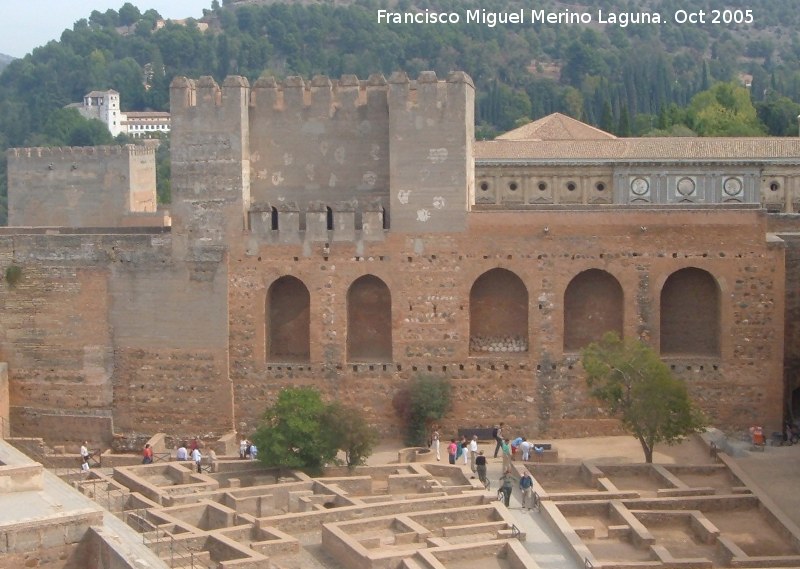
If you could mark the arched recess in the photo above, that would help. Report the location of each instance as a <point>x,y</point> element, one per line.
<point>690,314</point>
<point>369,320</point>
<point>498,314</point>
<point>288,321</point>
<point>593,305</point>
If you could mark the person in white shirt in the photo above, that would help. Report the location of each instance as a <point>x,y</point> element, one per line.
<point>197,458</point>
<point>182,453</point>
<point>473,451</point>
<point>525,449</point>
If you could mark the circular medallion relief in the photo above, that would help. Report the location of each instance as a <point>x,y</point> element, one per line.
<point>732,186</point>
<point>639,186</point>
<point>686,186</point>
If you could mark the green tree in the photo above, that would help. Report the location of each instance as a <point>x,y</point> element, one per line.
<point>425,401</point>
<point>638,388</point>
<point>349,432</point>
<point>292,433</point>
<point>724,110</point>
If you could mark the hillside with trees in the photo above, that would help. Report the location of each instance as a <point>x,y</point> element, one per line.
<point>641,79</point>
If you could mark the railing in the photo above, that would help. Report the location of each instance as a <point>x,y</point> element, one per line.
<point>537,501</point>
<point>587,564</point>
<point>163,543</point>
<point>515,531</point>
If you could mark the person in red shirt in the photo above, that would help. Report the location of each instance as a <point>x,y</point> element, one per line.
<point>147,454</point>
<point>452,449</point>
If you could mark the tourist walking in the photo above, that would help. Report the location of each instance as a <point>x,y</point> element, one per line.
<point>506,448</point>
<point>473,451</point>
<point>198,459</point>
<point>147,454</point>
<point>506,486</point>
<point>526,487</point>
<point>85,453</point>
<point>480,468</point>
<point>497,433</point>
<point>435,443</point>
<point>452,449</point>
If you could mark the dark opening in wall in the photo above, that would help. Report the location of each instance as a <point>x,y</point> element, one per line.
<point>369,320</point>
<point>593,305</point>
<point>329,218</point>
<point>498,314</point>
<point>690,314</point>
<point>274,218</point>
<point>288,321</point>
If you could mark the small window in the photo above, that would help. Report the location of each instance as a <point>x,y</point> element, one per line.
<point>774,186</point>
<point>484,186</point>
<point>329,218</point>
<point>542,186</point>
<point>600,186</point>
<point>513,186</point>
<point>571,186</point>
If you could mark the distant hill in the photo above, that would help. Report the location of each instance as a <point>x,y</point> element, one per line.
<point>5,60</point>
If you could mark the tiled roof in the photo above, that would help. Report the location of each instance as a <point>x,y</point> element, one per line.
<point>640,149</point>
<point>101,93</point>
<point>556,127</point>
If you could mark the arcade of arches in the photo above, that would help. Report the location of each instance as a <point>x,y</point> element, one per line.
<point>594,303</point>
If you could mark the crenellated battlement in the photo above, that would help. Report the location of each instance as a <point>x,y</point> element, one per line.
<point>320,95</point>
<point>72,153</point>
<point>187,93</point>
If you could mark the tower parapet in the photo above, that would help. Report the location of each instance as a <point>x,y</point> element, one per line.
<point>210,159</point>
<point>431,158</point>
<point>94,186</point>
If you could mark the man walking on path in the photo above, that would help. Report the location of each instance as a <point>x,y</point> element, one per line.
<point>506,447</point>
<point>473,451</point>
<point>526,486</point>
<point>497,433</point>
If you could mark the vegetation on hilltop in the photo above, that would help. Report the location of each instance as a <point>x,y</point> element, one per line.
<point>634,80</point>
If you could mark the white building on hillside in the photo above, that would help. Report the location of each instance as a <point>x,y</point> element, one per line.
<point>104,106</point>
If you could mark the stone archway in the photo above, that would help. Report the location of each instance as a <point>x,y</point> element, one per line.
<point>369,321</point>
<point>593,305</point>
<point>498,314</point>
<point>690,314</point>
<point>288,321</point>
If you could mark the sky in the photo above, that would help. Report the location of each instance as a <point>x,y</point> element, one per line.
<point>26,24</point>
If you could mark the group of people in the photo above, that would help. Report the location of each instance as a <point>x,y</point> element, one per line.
<point>191,453</point>
<point>468,451</point>
<point>247,449</point>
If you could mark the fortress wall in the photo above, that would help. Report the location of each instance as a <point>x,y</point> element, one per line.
<point>541,391</point>
<point>319,141</point>
<point>110,325</point>
<point>79,187</point>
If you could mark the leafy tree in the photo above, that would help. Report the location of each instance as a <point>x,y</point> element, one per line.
<point>724,110</point>
<point>303,432</point>
<point>421,404</point>
<point>292,432</point>
<point>349,432</point>
<point>639,388</point>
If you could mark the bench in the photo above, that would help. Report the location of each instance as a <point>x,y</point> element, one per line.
<point>484,433</point>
